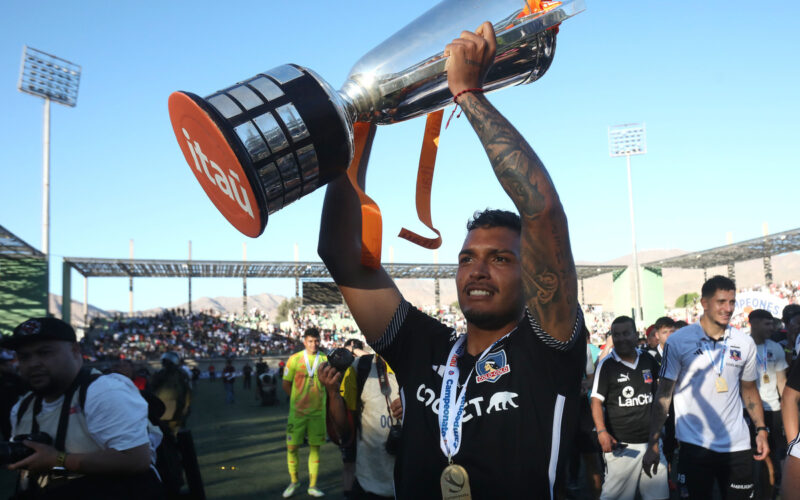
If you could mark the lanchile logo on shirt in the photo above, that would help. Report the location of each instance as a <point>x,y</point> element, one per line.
<point>492,367</point>
<point>648,377</point>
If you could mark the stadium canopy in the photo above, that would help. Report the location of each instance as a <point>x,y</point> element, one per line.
<point>13,247</point>
<point>756,248</point>
<point>146,268</point>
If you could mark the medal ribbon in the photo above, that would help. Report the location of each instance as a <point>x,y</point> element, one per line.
<point>311,369</point>
<point>708,350</point>
<point>762,361</point>
<point>450,435</point>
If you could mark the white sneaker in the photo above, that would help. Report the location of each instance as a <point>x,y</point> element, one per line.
<point>315,492</point>
<point>290,490</point>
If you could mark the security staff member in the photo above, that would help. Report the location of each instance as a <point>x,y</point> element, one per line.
<point>102,440</point>
<point>711,368</point>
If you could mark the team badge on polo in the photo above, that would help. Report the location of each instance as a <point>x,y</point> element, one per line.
<point>492,367</point>
<point>736,354</point>
<point>648,377</point>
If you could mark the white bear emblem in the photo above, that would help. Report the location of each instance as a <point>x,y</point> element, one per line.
<point>501,400</point>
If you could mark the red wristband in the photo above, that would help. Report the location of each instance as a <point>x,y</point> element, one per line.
<point>455,97</point>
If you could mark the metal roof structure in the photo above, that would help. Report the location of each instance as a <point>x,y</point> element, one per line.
<point>756,248</point>
<point>158,268</point>
<point>13,247</point>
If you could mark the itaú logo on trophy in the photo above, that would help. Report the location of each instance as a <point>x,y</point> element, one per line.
<point>267,141</point>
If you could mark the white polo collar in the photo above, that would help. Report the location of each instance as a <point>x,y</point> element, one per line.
<point>629,365</point>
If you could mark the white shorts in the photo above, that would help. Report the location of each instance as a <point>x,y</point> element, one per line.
<point>794,448</point>
<point>624,475</point>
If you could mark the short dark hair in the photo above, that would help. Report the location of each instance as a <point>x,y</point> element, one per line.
<point>715,283</point>
<point>357,344</point>
<point>622,319</point>
<point>664,322</point>
<point>311,332</point>
<point>789,312</point>
<point>759,314</point>
<point>494,218</point>
<point>680,324</point>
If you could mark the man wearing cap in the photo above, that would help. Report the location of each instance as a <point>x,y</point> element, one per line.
<point>103,446</point>
<point>710,368</point>
<point>771,367</point>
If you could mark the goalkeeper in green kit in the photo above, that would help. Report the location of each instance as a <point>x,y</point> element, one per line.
<point>306,410</point>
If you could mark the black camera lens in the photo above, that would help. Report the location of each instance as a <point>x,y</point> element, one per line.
<point>340,358</point>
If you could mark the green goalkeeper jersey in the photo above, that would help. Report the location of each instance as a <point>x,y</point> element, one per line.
<point>308,393</point>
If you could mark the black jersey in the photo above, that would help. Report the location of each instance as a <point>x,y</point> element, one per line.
<point>627,392</point>
<point>520,413</point>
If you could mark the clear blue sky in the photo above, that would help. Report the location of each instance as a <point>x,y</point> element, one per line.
<point>716,84</point>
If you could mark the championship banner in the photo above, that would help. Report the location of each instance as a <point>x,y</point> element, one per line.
<point>746,302</point>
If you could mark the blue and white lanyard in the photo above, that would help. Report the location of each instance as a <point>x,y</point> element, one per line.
<point>450,435</point>
<point>762,361</point>
<point>708,350</point>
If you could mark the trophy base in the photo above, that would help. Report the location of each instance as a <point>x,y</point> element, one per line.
<point>261,144</point>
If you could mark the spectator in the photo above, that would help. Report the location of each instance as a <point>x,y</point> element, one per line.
<point>11,388</point>
<point>664,327</point>
<point>171,385</point>
<point>104,451</point>
<point>247,374</point>
<point>228,378</point>
<point>624,384</point>
<point>212,372</point>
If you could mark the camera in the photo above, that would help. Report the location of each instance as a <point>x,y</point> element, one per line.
<point>13,451</point>
<point>340,358</point>
<point>393,440</point>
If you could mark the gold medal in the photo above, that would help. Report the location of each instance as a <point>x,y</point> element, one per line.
<point>765,378</point>
<point>722,386</point>
<point>455,483</point>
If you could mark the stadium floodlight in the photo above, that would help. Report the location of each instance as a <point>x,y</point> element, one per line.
<point>53,79</point>
<point>626,140</point>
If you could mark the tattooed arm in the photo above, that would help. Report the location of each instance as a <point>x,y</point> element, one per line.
<point>658,415</point>
<point>548,271</point>
<point>752,401</point>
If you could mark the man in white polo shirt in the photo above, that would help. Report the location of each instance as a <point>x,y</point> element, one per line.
<point>710,368</point>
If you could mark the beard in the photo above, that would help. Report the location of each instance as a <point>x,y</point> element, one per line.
<point>491,320</point>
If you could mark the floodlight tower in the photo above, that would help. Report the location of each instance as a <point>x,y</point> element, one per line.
<point>53,79</point>
<point>626,140</point>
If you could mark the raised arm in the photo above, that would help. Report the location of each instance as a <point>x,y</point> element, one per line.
<point>370,294</point>
<point>548,270</point>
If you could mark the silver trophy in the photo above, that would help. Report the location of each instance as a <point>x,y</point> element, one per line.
<point>265,142</point>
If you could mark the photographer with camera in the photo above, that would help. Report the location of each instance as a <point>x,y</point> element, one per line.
<point>364,407</point>
<point>77,434</point>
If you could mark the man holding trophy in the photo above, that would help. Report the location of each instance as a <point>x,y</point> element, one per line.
<point>495,416</point>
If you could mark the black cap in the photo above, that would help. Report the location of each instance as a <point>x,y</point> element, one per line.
<point>36,329</point>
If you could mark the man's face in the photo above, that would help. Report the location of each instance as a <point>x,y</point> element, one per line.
<point>624,337</point>
<point>793,327</point>
<point>761,328</point>
<point>719,307</point>
<point>663,333</point>
<point>311,344</point>
<point>49,365</point>
<point>489,278</point>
